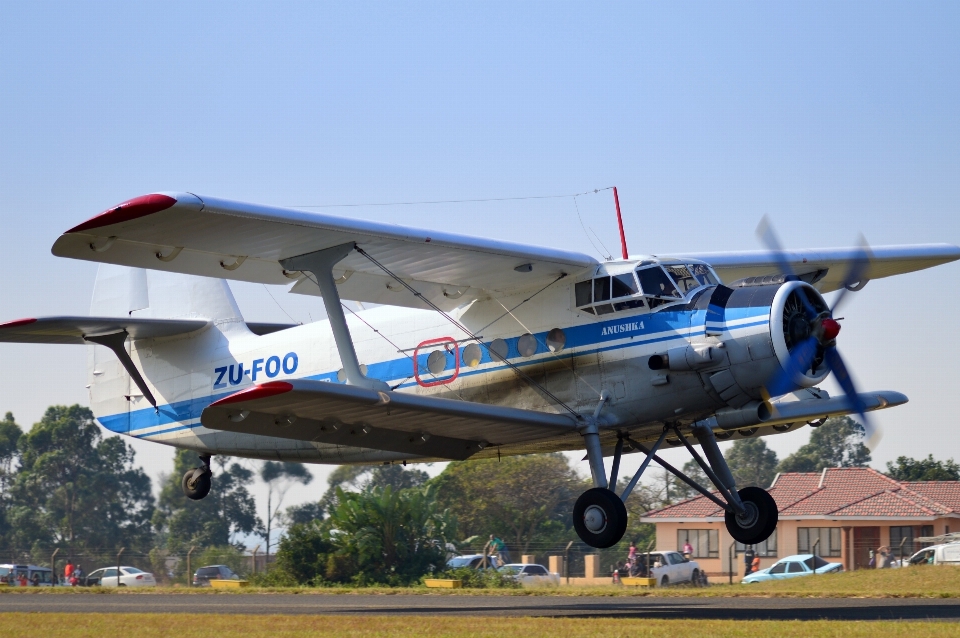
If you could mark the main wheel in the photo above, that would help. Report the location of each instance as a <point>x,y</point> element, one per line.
<point>758,522</point>
<point>196,483</point>
<point>600,518</point>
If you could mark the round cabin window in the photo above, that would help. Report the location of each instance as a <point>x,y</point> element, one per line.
<point>437,361</point>
<point>556,340</point>
<point>471,355</point>
<point>527,345</point>
<point>499,349</point>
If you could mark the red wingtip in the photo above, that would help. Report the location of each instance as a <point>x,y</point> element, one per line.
<point>262,391</point>
<point>128,210</point>
<point>18,322</point>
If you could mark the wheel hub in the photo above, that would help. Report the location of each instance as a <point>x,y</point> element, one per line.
<point>749,517</point>
<point>595,519</point>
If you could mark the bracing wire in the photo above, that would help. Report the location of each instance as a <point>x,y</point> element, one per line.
<point>453,201</point>
<point>520,373</point>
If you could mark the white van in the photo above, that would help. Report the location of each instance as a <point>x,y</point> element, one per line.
<point>10,575</point>
<point>948,554</point>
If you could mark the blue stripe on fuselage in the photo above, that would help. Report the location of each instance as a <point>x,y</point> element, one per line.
<point>677,324</point>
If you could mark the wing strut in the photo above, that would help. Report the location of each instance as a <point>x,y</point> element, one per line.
<point>320,264</point>
<point>116,341</point>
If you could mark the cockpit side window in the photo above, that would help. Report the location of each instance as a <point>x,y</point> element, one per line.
<point>583,292</point>
<point>601,289</point>
<point>702,274</point>
<point>655,283</point>
<point>624,285</point>
<point>685,281</point>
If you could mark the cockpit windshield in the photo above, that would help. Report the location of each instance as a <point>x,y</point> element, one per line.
<point>652,284</point>
<point>655,283</point>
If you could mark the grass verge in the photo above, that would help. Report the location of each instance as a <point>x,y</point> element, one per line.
<point>215,626</point>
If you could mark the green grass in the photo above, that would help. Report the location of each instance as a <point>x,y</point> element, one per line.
<point>912,582</point>
<point>28,625</point>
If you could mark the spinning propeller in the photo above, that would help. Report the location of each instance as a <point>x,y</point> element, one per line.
<point>814,332</point>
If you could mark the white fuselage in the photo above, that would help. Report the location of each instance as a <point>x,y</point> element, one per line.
<point>601,353</point>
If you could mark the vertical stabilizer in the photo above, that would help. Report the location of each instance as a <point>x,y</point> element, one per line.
<point>135,292</point>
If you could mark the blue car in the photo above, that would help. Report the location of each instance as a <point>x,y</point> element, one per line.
<point>793,566</point>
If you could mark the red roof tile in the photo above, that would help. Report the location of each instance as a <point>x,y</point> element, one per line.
<point>841,492</point>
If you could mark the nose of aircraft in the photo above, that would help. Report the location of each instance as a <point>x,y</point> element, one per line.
<point>831,328</point>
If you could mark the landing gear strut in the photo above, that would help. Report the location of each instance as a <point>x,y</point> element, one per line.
<point>600,517</point>
<point>196,482</point>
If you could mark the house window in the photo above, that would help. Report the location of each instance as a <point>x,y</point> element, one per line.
<point>705,542</point>
<point>765,549</point>
<point>908,536</point>
<point>829,537</point>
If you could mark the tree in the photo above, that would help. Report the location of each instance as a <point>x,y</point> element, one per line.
<point>10,433</point>
<point>77,490</point>
<point>522,498</point>
<point>227,510</point>
<point>836,443</point>
<point>752,463</point>
<point>280,477</point>
<point>388,536</point>
<point>907,469</point>
<point>353,478</point>
<point>303,513</point>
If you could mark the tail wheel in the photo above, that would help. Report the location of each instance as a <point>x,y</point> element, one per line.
<point>758,521</point>
<point>600,518</point>
<point>196,483</point>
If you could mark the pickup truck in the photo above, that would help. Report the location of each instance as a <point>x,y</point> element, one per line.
<point>673,568</point>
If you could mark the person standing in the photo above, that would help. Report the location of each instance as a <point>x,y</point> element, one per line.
<point>687,549</point>
<point>68,571</point>
<point>748,556</point>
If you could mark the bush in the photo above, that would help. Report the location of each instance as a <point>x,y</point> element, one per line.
<point>478,578</point>
<point>302,555</point>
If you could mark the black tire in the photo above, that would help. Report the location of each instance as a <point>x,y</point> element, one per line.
<point>600,518</point>
<point>762,517</point>
<point>696,578</point>
<point>664,582</point>
<point>196,484</point>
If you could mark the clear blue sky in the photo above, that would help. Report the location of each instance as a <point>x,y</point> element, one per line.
<point>834,118</point>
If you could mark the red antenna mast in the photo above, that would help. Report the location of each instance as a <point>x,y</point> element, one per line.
<point>623,238</point>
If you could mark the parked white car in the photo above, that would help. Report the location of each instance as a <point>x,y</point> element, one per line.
<point>948,554</point>
<point>673,568</point>
<point>129,577</point>
<point>531,575</point>
<point>473,561</point>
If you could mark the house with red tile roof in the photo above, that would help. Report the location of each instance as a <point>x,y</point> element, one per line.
<point>840,514</point>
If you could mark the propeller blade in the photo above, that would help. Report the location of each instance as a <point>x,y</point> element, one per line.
<point>768,236</point>
<point>800,361</point>
<point>855,272</point>
<point>872,434</point>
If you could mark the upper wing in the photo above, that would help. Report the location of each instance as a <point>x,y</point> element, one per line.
<point>393,421</point>
<point>74,329</point>
<point>181,232</point>
<point>827,267</point>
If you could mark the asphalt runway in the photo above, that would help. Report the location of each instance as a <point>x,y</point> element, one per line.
<point>544,606</point>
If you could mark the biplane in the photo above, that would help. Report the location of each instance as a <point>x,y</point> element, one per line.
<point>475,349</point>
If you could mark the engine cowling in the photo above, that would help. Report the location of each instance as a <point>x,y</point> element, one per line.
<point>756,355</point>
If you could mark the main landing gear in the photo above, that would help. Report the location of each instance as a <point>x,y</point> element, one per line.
<point>196,482</point>
<point>600,516</point>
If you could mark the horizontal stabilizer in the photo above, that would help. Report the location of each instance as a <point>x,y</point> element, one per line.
<point>421,426</point>
<point>73,329</point>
